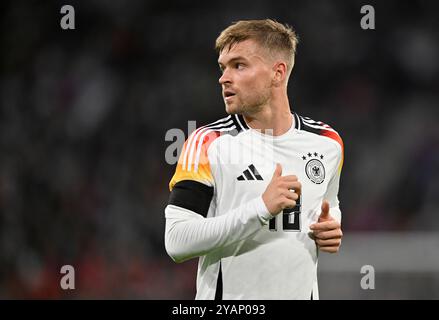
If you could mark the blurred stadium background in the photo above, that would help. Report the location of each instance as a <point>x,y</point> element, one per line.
<point>84,113</point>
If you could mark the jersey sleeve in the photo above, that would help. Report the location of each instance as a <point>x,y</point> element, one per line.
<point>189,232</point>
<point>323,129</point>
<point>192,184</point>
<point>332,192</point>
<point>189,235</point>
<point>193,163</point>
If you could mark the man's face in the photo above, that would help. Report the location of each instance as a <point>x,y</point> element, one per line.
<point>246,77</point>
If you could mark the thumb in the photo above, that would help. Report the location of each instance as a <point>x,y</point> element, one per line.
<point>325,211</point>
<point>277,171</point>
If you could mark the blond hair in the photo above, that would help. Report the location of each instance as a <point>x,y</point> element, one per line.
<point>268,33</point>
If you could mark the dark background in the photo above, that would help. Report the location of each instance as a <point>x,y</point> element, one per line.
<point>84,113</point>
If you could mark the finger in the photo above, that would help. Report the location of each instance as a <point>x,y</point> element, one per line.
<point>289,178</point>
<point>288,203</point>
<point>329,249</point>
<point>328,242</point>
<point>325,225</point>
<point>324,215</point>
<point>290,195</point>
<point>333,234</point>
<point>277,171</point>
<point>296,186</point>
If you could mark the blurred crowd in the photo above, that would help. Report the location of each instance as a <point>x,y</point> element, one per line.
<point>84,113</point>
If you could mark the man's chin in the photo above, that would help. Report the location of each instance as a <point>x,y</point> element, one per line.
<point>232,109</point>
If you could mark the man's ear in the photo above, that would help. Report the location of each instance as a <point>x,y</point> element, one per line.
<point>280,73</point>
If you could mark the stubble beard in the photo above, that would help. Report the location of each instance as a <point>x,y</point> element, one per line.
<point>249,108</point>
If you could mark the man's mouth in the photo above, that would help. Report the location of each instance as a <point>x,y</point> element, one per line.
<point>228,94</point>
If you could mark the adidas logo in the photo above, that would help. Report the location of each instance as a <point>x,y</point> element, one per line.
<point>250,174</point>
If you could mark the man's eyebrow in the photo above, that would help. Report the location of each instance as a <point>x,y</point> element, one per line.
<point>234,59</point>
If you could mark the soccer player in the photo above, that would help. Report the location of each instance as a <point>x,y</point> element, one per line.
<point>256,225</point>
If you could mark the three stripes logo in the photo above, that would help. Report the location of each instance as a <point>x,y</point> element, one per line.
<point>250,174</point>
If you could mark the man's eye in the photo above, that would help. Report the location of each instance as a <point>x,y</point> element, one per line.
<point>239,66</point>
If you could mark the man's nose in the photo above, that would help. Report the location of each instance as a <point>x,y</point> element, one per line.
<point>225,78</point>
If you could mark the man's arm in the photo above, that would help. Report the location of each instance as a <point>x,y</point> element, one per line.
<point>331,195</point>
<point>189,234</point>
<point>327,231</point>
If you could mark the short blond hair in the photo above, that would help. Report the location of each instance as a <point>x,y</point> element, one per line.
<point>268,33</point>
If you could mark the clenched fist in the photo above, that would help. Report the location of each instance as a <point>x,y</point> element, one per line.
<point>327,231</point>
<point>282,192</point>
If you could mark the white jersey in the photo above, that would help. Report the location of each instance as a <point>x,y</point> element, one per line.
<point>216,211</point>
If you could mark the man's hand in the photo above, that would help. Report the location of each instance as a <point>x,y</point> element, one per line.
<point>279,195</point>
<point>327,231</point>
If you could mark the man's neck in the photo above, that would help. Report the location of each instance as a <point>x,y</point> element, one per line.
<point>273,119</point>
